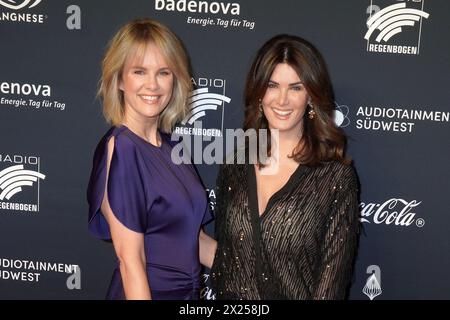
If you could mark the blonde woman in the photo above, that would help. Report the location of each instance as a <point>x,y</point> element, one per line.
<point>151,208</point>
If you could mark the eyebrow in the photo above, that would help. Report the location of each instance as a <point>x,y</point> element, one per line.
<point>291,84</point>
<point>144,68</point>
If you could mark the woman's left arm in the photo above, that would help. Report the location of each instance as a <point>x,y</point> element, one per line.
<point>341,240</point>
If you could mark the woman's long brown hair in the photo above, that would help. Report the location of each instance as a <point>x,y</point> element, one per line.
<point>322,140</point>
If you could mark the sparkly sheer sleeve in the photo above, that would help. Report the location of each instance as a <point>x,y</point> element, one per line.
<point>341,239</point>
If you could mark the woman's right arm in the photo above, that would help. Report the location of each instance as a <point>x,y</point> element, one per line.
<point>129,248</point>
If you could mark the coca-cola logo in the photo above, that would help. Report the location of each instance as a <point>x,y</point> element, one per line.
<point>393,211</point>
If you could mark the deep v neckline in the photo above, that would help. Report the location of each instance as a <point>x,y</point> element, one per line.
<point>253,191</point>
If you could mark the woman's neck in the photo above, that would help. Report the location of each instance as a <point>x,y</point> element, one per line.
<point>284,144</point>
<point>147,130</point>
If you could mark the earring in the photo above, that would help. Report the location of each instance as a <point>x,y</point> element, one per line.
<point>311,113</point>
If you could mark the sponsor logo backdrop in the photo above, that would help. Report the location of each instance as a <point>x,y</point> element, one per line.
<point>389,64</point>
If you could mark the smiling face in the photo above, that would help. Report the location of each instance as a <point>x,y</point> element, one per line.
<point>147,84</point>
<point>285,100</point>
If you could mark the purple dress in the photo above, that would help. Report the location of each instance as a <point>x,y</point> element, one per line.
<point>150,194</point>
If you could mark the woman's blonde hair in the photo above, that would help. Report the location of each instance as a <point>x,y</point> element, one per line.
<point>131,39</point>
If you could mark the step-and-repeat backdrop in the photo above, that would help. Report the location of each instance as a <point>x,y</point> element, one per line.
<point>390,65</point>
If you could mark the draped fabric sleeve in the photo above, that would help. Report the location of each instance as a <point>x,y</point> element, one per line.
<point>341,240</point>
<point>208,216</point>
<point>126,190</point>
<point>173,141</point>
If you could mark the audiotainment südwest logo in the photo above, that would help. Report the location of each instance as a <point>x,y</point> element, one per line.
<point>30,270</point>
<point>20,183</point>
<point>396,119</point>
<point>341,115</point>
<point>12,13</point>
<point>392,119</point>
<point>394,27</point>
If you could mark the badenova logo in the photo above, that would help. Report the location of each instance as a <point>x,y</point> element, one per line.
<point>209,10</point>
<point>198,6</point>
<point>395,211</point>
<point>395,27</point>
<point>25,89</point>
<point>20,178</point>
<point>23,95</point>
<point>207,107</point>
<point>14,16</point>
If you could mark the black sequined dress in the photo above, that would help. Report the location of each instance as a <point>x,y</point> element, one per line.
<point>306,240</point>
